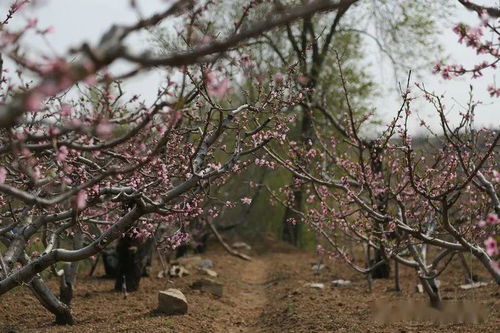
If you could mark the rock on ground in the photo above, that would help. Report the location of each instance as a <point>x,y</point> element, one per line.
<point>206,263</point>
<point>241,245</point>
<point>341,283</point>
<point>189,262</point>
<point>172,302</point>
<point>316,285</point>
<point>473,285</point>
<point>208,285</point>
<point>177,271</point>
<point>208,271</point>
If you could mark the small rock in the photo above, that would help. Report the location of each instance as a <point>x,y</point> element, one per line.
<point>241,245</point>
<point>177,271</point>
<point>189,262</point>
<point>206,263</point>
<point>317,267</point>
<point>473,285</point>
<point>208,285</point>
<point>172,302</point>
<point>317,285</point>
<point>341,283</point>
<point>161,274</point>
<point>208,271</point>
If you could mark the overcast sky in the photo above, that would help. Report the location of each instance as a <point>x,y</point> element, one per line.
<point>78,20</point>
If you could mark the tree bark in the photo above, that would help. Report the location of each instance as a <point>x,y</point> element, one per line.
<point>433,292</point>
<point>291,230</point>
<point>70,271</point>
<point>469,277</point>
<point>49,301</point>
<point>368,264</point>
<point>132,260</point>
<point>377,167</point>
<point>397,282</point>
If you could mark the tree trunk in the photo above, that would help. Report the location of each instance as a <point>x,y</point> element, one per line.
<point>488,263</point>
<point>67,282</point>
<point>132,260</point>
<point>377,167</point>
<point>291,231</point>
<point>383,270</point>
<point>433,292</point>
<point>368,264</point>
<point>70,271</point>
<point>110,262</point>
<point>397,282</point>
<point>51,302</point>
<point>469,277</point>
<point>291,220</point>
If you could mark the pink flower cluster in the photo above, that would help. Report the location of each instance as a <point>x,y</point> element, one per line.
<point>491,219</point>
<point>215,86</point>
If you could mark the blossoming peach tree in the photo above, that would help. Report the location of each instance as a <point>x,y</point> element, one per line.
<point>397,194</point>
<point>83,163</point>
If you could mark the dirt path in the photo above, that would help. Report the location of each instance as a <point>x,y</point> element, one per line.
<point>268,294</point>
<point>252,297</point>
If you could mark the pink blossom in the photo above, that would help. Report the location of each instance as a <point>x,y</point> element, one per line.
<point>491,246</point>
<point>18,5</point>
<point>216,87</point>
<point>302,79</point>
<point>246,201</point>
<point>104,129</point>
<point>48,30</point>
<point>3,174</point>
<point>66,109</point>
<point>496,175</point>
<point>90,80</point>
<point>62,153</point>
<point>81,200</point>
<point>436,68</point>
<point>246,63</point>
<point>210,77</point>
<point>32,22</point>
<point>279,77</point>
<point>215,166</point>
<point>493,91</point>
<point>220,89</point>
<point>492,219</point>
<point>445,72</point>
<point>34,101</point>
<point>484,17</point>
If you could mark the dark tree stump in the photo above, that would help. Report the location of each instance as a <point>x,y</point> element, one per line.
<point>133,257</point>
<point>383,270</point>
<point>110,262</point>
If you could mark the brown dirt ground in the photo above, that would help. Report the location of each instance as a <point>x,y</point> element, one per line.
<point>268,294</point>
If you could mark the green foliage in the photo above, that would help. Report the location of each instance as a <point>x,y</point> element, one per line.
<point>404,31</point>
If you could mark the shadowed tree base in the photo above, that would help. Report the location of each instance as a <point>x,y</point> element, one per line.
<point>132,260</point>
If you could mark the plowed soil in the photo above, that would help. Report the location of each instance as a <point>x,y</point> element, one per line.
<point>268,294</point>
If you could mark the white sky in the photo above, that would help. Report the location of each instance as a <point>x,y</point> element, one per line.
<point>85,20</point>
